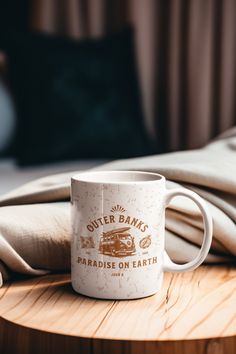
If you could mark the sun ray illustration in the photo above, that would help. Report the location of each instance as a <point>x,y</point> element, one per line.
<point>117,208</point>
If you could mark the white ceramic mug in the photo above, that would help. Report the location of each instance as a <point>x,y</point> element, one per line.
<point>118,233</point>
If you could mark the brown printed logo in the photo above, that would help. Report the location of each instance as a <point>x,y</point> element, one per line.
<point>117,242</point>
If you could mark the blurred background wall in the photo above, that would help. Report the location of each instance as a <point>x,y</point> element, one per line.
<point>185,51</point>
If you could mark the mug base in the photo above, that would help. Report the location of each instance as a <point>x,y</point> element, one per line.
<point>117,296</point>
<point>114,298</point>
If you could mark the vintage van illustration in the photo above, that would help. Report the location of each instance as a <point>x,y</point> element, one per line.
<point>117,243</point>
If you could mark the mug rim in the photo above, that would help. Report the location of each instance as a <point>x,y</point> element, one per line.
<point>81,177</point>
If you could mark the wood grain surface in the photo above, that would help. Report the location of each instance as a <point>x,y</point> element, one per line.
<point>194,313</point>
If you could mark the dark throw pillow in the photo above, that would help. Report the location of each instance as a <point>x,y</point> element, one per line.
<point>75,99</point>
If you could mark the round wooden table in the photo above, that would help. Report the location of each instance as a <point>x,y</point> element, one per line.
<point>195,313</point>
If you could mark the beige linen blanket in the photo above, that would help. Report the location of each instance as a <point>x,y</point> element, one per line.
<point>35,218</point>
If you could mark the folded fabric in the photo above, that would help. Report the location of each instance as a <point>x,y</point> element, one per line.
<point>35,218</point>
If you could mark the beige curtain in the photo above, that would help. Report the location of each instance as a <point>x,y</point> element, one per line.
<point>185,52</point>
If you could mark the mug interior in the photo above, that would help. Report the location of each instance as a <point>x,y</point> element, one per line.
<point>117,177</point>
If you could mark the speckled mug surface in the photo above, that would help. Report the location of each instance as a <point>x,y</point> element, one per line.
<point>118,229</point>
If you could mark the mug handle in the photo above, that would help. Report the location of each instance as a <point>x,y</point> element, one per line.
<point>169,265</point>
